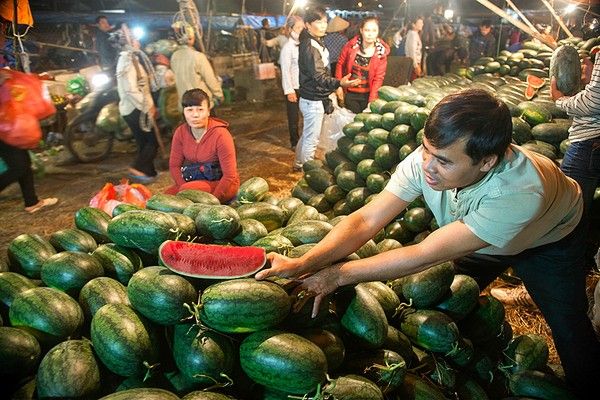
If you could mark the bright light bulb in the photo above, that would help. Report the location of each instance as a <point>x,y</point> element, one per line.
<point>570,8</point>
<point>138,32</point>
<point>299,3</point>
<point>449,14</point>
<point>99,80</point>
<point>359,4</point>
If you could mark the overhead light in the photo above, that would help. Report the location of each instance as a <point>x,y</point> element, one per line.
<point>112,11</point>
<point>570,8</point>
<point>299,3</point>
<point>359,4</point>
<point>99,80</point>
<point>380,5</point>
<point>138,32</point>
<point>449,14</point>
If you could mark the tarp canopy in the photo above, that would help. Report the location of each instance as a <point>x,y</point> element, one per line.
<point>161,20</point>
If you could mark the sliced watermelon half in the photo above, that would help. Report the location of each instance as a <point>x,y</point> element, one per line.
<point>211,261</point>
<point>535,81</point>
<point>530,92</point>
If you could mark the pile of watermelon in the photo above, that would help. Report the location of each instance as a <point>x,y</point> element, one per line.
<point>127,306</point>
<point>96,311</point>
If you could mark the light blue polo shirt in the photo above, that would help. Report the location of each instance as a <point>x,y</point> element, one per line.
<point>523,202</point>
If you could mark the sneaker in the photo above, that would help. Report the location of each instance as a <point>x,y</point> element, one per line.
<point>513,296</point>
<point>50,201</point>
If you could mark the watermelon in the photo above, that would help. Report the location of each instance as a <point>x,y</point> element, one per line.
<point>142,394</point>
<point>198,196</point>
<point>101,291</point>
<point>73,239</point>
<point>252,190</point>
<point>11,284</point>
<point>218,222</point>
<point>331,344</point>
<point>566,68</point>
<point>70,270</point>
<point>211,261</point>
<point>353,387</point>
<point>244,305</point>
<point>386,367</point>
<point>69,370</point>
<point>431,330</point>
<point>160,295</point>
<point>27,253</point>
<point>49,314</point>
<point>93,221</point>
<point>203,356</point>
<point>123,340</point>
<point>19,352</point>
<point>144,230</point>
<point>168,203</point>
<point>365,319</point>
<point>283,361</point>
<point>117,261</point>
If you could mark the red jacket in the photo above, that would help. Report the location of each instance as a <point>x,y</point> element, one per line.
<point>377,65</point>
<point>215,145</point>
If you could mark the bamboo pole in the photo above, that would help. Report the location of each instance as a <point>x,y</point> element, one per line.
<point>523,17</point>
<point>557,18</point>
<point>500,12</point>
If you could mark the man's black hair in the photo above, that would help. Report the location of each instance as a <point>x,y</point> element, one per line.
<point>99,17</point>
<point>314,14</point>
<point>472,115</point>
<point>194,97</point>
<point>486,22</point>
<point>264,22</point>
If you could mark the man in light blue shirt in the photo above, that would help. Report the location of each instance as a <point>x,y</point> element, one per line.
<point>497,206</point>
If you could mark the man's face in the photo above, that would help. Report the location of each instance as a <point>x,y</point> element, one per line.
<point>419,25</point>
<point>485,30</point>
<point>197,116</point>
<point>317,28</point>
<point>103,25</point>
<point>451,167</point>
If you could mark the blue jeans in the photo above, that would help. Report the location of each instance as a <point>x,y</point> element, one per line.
<point>312,113</point>
<point>582,163</point>
<point>554,275</point>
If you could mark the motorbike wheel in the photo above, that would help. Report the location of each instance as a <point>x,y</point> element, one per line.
<point>86,142</point>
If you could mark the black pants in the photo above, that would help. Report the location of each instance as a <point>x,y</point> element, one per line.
<point>356,102</point>
<point>18,169</point>
<point>293,116</point>
<point>555,277</point>
<point>146,143</point>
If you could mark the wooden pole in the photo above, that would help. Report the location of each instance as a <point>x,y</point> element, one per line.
<point>500,12</point>
<point>557,18</point>
<point>523,17</point>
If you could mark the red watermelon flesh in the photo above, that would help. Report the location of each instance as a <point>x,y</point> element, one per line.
<point>211,261</point>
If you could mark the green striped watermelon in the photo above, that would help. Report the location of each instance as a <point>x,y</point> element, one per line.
<point>11,284</point>
<point>123,340</point>
<point>73,239</point>
<point>70,270</point>
<point>19,352</point>
<point>93,221</point>
<point>142,394</point>
<point>49,314</point>
<point>160,295</point>
<point>27,253</point>
<point>145,230</point>
<point>244,305</point>
<point>117,261</point>
<point>283,361</point>
<point>101,291</point>
<point>69,370</point>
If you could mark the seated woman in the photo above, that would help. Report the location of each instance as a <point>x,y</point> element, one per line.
<point>202,151</point>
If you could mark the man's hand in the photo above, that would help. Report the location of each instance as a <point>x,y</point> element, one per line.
<point>418,70</point>
<point>292,97</point>
<point>586,71</point>
<point>152,112</point>
<point>318,285</point>
<point>554,92</point>
<point>347,82</point>
<point>339,92</point>
<point>281,266</point>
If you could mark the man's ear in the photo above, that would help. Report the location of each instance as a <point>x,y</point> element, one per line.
<point>488,162</point>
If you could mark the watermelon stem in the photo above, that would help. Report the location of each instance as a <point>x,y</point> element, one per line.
<point>216,384</point>
<point>453,351</point>
<point>149,370</point>
<point>402,308</point>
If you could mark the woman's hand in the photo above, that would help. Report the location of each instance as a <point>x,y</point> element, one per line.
<point>586,70</point>
<point>292,98</point>
<point>346,81</point>
<point>554,92</point>
<point>318,285</point>
<point>281,266</point>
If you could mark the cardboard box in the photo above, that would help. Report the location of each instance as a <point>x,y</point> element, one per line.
<point>265,71</point>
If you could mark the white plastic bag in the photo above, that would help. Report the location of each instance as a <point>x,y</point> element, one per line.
<point>331,130</point>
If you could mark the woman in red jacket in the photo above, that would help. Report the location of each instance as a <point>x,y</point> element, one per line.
<point>365,57</point>
<point>202,151</point>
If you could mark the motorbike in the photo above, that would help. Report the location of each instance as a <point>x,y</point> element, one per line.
<point>86,141</point>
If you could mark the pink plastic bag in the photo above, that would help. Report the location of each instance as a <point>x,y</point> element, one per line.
<point>111,196</point>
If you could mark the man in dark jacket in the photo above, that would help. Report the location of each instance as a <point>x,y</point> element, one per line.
<point>316,84</point>
<point>483,42</point>
<point>108,54</point>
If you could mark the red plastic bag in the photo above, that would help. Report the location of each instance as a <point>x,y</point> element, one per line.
<point>111,196</point>
<point>25,133</point>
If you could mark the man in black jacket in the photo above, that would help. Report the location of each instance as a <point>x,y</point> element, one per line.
<point>316,84</point>
<point>482,43</point>
<point>108,54</point>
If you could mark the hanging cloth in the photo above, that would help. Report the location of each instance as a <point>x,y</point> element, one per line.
<point>7,9</point>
